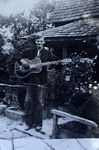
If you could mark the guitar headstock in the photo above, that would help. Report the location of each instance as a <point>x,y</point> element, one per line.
<point>66,61</point>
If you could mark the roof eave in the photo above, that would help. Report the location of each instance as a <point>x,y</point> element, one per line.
<point>68,20</point>
<point>65,38</point>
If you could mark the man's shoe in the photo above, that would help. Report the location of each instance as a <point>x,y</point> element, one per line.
<point>38,128</point>
<point>42,132</point>
<point>28,128</point>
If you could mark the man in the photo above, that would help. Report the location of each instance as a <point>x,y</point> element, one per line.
<point>34,100</point>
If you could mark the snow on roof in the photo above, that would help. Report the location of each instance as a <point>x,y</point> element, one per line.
<point>69,10</point>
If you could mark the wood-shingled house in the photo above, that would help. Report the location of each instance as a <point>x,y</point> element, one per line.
<point>76,27</point>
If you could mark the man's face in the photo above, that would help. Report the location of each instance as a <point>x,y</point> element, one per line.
<point>40,42</point>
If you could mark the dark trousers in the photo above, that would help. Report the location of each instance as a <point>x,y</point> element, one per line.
<point>21,98</point>
<point>34,106</point>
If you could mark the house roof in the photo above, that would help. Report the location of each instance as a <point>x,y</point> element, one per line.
<point>76,29</point>
<point>69,10</point>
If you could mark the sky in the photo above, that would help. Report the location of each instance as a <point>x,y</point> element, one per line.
<point>8,7</point>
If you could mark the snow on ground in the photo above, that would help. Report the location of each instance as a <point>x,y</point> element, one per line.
<point>74,144</point>
<point>17,128</point>
<point>30,143</point>
<point>5,145</point>
<point>14,137</point>
<point>7,128</point>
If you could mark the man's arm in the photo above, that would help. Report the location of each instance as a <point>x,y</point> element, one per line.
<point>52,57</point>
<point>24,63</point>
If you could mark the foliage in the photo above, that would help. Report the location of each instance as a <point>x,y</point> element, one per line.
<point>42,11</point>
<point>80,70</point>
<point>73,78</point>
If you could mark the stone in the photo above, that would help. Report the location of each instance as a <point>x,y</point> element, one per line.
<point>2,108</point>
<point>14,114</point>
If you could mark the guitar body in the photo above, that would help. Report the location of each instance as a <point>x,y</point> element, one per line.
<point>34,66</point>
<point>22,72</point>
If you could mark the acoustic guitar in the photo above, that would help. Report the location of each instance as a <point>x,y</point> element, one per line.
<point>34,66</point>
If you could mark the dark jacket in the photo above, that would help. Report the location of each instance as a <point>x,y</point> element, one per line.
<point>30,53</point>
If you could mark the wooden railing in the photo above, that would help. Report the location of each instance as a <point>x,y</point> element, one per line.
<point>57,114</point>
<point>20,86</point>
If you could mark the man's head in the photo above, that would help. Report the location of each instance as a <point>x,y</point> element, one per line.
<point>40,43</point>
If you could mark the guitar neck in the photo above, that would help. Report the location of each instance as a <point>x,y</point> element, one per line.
<point>50,63</point>
<point>64,61</point>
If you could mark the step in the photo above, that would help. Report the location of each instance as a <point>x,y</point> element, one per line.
<point>14,114</point>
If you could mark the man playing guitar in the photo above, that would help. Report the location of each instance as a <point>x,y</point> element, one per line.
<point>34,100</point>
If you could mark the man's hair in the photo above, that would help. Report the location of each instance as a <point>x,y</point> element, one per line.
<point>39,35</point>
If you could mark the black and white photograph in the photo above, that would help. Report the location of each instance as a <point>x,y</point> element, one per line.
<point>49,75</point>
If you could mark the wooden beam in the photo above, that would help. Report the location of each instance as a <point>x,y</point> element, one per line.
<point>20,86</point>
<point>75,118</point>
<point>65,38</point>
<point>55,126</point>
<point>57,113</point>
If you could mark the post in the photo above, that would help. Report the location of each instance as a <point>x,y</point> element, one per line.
<point>55,126</point>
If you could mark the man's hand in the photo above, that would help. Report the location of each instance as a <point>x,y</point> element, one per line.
<point>25,64</point>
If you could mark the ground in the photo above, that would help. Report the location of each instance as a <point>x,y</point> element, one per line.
<point>14,137</point>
